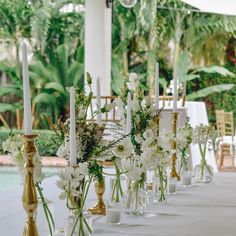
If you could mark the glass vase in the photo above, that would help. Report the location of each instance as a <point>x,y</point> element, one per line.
<point>116,192</point>
<point>183,161</point>
<point>78,224</point>
<point>135,199</point>
<point>203,173</point>
<point>159,185</point>
<point>44,217</point>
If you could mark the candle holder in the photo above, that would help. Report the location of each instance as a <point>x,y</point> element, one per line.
<point>29,197</point>
<point>173,171</point>
<point>99,208</point>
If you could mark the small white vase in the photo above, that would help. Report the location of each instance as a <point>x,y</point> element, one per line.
<point>186,178</point>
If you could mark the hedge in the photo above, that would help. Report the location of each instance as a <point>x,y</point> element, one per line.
<point>45,145</point>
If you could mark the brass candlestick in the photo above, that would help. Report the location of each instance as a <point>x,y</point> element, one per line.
<point>173,172</point>
<point>99,208</point>
<point>29,197</point>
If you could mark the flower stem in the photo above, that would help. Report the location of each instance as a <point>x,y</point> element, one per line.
<point>47,211</point>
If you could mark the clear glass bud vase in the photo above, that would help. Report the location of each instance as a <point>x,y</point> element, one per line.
<point>78,224</point>
<point>135,199</point>
<point>159,185</point>
<point>203,172</point>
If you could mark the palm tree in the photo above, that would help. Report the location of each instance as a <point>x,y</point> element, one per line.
<point>53,78</point>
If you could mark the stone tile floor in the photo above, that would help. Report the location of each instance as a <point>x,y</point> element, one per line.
<point>60,162</point>
<point>46,161</point>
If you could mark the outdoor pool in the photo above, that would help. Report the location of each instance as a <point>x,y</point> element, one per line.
<point>10,179</point>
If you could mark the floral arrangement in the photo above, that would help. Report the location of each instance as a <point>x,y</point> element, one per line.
<point>13,146</point>
<point>201,136</point>
<point>183,140</point>
<point>92,148</point>
<point>156,155</point>
<point>142,110</point>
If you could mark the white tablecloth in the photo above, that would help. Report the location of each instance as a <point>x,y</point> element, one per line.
<point>197,113</point>
<point>203,209</point>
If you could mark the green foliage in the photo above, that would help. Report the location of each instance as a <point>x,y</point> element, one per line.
<point>140,36</point>
<point>209,90</point>
<point>216,101</point>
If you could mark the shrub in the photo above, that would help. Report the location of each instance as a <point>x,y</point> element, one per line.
<point>44,141</point>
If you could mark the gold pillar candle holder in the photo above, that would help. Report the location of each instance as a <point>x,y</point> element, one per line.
<point>99,208</point>
<point>173,171</point>
<point>29,197</point>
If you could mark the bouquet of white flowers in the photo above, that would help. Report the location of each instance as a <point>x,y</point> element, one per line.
<point>156,155</point>
<point>201,136</point>
<point>183,140</point>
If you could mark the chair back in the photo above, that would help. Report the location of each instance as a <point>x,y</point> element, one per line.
<point>229,123</point>
<point>224,123</point>
<point>110,116</point>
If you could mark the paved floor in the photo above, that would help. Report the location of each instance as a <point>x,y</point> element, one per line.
<point>57,161</point>
<point>46,161</point>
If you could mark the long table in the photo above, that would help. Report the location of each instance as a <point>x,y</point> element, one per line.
<point>203,209</point>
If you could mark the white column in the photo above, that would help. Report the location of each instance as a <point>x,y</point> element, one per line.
<point>98,23</point>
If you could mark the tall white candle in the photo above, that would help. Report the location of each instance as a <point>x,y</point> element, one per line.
<point>99,115</point>
<point>157,88</point>
<point>26,93</point>
<point>128,118</point>
<point>72,140</point>
<point>175,95</point>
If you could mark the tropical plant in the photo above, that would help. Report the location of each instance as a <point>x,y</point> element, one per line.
<point>184,76</point>
<point>53,78</point>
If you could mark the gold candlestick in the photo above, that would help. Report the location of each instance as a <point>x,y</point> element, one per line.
<point>29,197</point>
<point>173,172</point>
<point>99,208</point>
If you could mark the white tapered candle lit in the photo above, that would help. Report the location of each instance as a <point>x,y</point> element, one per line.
<point>128,118</point>
<point>72,140</point>
<point>157,88</point>
<point>99,115</point>
<point>26,93</point>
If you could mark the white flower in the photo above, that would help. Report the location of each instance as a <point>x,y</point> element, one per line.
<point>123,148</point>
<point>149,135</point>
<point>138,138</point>
<point>82,169</point>
<point>201,134</point>
<point>70,181</point>
<point>134,105</point>
<point>133,81</point>
<point>137,120</point>
<point>135,173</point>
<point>63,150</point>
<point>82,113</point>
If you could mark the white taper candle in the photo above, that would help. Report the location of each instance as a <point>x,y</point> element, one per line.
<point>99,115</point>
<point>26,93</point>
<point>128,118</point>
<point>72,140</point>
<point>175,95</point>
<point>157,88</point>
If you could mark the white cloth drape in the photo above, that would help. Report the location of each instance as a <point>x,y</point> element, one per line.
<point>225,7</point>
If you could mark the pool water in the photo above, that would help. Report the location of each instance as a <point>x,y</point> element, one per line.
<point>10,179</point>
